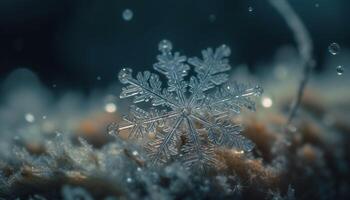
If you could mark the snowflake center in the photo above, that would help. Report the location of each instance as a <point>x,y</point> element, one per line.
<point>186,111</point>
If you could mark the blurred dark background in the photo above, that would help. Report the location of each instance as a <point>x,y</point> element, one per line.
<point>70,43</point>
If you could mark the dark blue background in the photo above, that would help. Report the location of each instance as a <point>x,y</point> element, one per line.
<point>71,42</point>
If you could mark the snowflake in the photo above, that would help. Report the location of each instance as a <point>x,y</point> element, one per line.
<point>192,116</point>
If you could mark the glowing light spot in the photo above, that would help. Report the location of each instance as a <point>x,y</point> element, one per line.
<point>266,102</point>
<point>128,180</point>
<point>238,152</point>
<point>135,153</point>
<point>110,107</point>
<point>29,117</point>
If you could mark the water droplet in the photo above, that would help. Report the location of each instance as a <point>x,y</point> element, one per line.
<point>317,5</point>
<point>250,9</point>
<point>110,107</point>
<point>124,75</point>
<point>29,117</point>
<point>334,48</point>
<point>340,70</point>
<point>44,117</point>
<point>165,46</point>
<point>127,14</point>
<point>54,85</point>
<point>98,78</point>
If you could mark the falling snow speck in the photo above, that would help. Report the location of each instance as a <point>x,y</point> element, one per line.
<point>29,117</point>
<point>334,48</point>
<point>127,14</point>
<point>340,70</point>
<point>212,18</point>
<point>250,9</point>
<point>129,180</point>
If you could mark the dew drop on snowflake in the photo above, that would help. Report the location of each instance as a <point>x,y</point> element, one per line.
<point>226,50</point>
<point>29,117</point>
<point>334,48</point>
<point>165,46</point>
<point>340,70</point>
<point>124,75</point>
<point>127,14</point>
<point>250,9</point>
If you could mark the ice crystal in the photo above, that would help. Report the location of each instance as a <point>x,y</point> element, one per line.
<point>191,117</point>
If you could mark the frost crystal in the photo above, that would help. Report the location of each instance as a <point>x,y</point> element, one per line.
<point>191,116</point>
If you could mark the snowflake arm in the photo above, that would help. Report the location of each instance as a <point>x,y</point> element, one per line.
<point>164,146</point>
<point>197,155</point>
<point>209,71</point>
<point>231,98</point>
<point>173,66</point>
<point>225,134</point>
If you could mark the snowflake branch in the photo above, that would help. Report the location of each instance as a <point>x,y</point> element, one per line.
<point>126,78</point>
<point>166,143</point>
<point>149,120</point>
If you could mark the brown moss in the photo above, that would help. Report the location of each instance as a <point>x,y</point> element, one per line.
<point>251,170</point>
<point>262,137</point>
